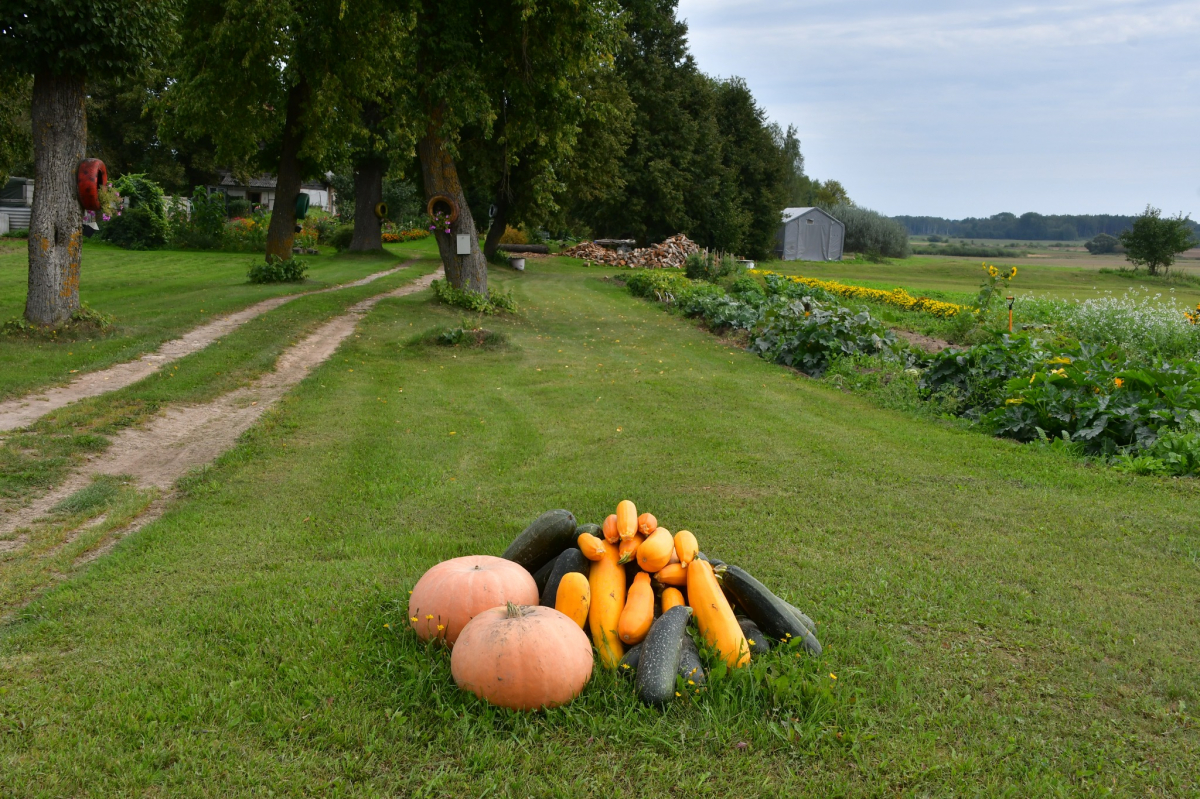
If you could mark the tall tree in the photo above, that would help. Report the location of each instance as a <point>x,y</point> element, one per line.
<point>280,85</point>
<point>61,43</point>
<point>499,87</point>
<point>1155,240</point>
<point>16,131</point>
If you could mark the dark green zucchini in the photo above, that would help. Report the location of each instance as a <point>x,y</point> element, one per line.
<point>805,620</point>
<point>590,529</point>
<point>770,613</point>
<point>543,574</point>
<point>629,661</point>
<point>759,643</point>
<point>659,660</point>
<point>542,541</point>
<point>571,560</point>
<point>690,667</point>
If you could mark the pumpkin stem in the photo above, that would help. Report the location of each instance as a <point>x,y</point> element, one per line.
<point>516,611</point>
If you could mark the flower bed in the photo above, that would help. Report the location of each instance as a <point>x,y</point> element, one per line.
<point>897,297</point>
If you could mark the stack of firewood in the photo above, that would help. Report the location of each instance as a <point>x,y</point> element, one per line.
<point>669,254</point>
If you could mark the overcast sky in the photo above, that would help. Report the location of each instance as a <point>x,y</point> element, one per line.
<point>969,108</point>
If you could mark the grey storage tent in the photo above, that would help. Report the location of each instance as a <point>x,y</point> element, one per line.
<point>809,234</point>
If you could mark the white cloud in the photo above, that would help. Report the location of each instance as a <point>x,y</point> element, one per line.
<point>972,108</point>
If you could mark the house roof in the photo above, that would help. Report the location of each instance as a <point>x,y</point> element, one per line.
<point>263,181</point>
<point>795,213</point>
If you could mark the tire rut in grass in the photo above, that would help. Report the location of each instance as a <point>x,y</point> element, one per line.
<point>183,438</point>
<point>22,411</point>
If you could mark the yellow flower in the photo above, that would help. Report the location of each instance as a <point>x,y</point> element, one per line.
<point>430,617</point>
<point>441,627</point>
<point>1118,382</point>
<point>1013,273</point>
<point>1014,401</point>
<point>415,619</point>
<point>832,676</point>
<point>1059,360</point>
<point>1059,372</point>
<point>678,694</point>
<point>387,626</point>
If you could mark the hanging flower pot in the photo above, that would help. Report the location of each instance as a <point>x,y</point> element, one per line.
<point>91,177</point>
<point>442,208</point>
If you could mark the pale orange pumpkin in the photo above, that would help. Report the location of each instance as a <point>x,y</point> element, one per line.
<point>454,591</point>
<point>522,657</point>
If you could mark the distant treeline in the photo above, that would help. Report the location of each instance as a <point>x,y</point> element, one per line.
<point>1030,226</point>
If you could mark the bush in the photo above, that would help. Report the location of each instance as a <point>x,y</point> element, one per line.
<point>237,208</point>
<point>490,303</point>
<point>709,266</point>
<point>204,226</point>
<point>1102,244</point>
<point>871,232</point>
<point>142,226</point>
<point>136,228</point>
<point>341,237</point>
<point>277,270</point>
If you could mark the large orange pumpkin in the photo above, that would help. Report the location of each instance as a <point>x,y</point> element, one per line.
<point>522,657</point>
<point>453,592</point>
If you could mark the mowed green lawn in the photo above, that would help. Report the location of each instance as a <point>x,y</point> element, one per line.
<point>924,273</point>
<point>998,620</point>
<point>154,296</point>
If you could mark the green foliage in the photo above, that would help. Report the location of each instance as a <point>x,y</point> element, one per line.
<point>204,227</point>
<point>871,232</point>
<point>1146,326</point>
<point>807,335</point>
<point>277,270</point>
<point>1028,227</point>
<point>1174,452</point>
<point>1102,244</point>
<point>238,208</point>
<point>495,301</point>
<point>709,266</point>
<point>136,228</point>
<point>82,37</point>
<point>970,251</point>
<point>701,159</point>
<point>831,194</point>
<point>889,383</point>
<point>1089,395</point>
<point>341,237</point>
<point>1154,242</point>
<point>467,337</point>
<point>16,131</point>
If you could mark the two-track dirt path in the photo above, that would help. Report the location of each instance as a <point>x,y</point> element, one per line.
<point>22,411</point>
<point>188,436</point>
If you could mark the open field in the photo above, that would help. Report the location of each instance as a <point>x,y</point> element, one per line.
<point>924,273</point>
<point>155,296</point>
<point>999,620</point>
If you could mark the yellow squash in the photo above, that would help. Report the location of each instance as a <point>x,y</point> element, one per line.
<point>629,547</point>
<point>686,547</point>
<point>638,614</point>
<point>574,598</point>
<point>591,547</point>
<point>607,583</point>
<point>627,519</point>
<point>714,617</point>
<point>670,598</point>
<point>655,551</point>
<point>672,574</point>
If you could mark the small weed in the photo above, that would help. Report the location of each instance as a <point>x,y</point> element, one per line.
<point>277,270</point>
<point>493,302</point>
<point>90,498</point>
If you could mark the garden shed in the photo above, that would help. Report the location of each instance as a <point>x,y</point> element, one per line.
<point>809,234</point>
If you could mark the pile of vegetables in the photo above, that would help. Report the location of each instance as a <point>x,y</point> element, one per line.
<point>517,625</point>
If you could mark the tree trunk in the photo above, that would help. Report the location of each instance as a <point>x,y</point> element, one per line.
<point>282,232</point>
<point>467,272</point>
<point>368,191</point>
<point>499,225</point>
<point>56,221</point>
